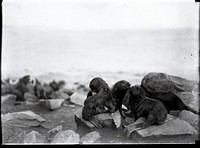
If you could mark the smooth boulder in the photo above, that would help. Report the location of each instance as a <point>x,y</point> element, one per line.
<point>184,89</point>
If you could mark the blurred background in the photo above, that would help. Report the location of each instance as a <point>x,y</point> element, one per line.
<point>84,38</point>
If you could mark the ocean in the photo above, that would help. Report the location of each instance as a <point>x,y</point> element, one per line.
<point>38,51</point>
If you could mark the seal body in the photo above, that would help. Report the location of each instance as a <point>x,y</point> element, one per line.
<point>21,87</point>
<point>117,95</point>
<point>154,111</point>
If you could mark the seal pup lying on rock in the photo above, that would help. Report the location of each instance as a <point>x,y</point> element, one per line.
<point>154,111</point>
<point>97,103</point>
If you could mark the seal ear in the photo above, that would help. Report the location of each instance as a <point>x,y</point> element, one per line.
<point>126,99</point>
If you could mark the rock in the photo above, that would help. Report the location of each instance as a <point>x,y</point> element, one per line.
<point>34,137</point>
<point>66,137</point>
<point>80,121</point>
<point>116,118</point>
<point>23,115</point>
<point>190,99</point>
<point>11,134</point>
<point>30,97</point>
<point>7,103</point>
<point>51,103</point>
<point>173,126</point>
<point>90,137</point>
<point>190,117</point>
<point>51,133</point>
<point>105,119</point>
<point>59,95</point>
<point>8,99</point>
<point>163,83</point>
<point>78,98</point>
<point>174,112</point>
<point>17,138</point>
<point>68,91</point>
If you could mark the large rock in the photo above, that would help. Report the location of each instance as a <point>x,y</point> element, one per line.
<point>190,117</point>
<point>163,83</point>
<point>22,119</point>
<point>66,137</point>
<point>51,104</point>
<point>34,137</point>
<point>90,137</point>
<point>59,95</point>
<point>78,98</point>
<point>173,126</point>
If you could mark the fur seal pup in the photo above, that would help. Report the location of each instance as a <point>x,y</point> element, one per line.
<point>117,95</point>
<point>39,90</point>
<point>154,111</point>
<point>96,84</point>
<point>21,87</point>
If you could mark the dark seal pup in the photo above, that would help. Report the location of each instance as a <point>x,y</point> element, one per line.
<point>96,84</point>
<point>21,87</point>
<point>98,102</point>
<point>95,104</point>
<point>152,110</point>
<point>117,94</point>
<point>39,90</point>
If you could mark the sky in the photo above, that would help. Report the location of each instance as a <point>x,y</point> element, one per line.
<point>50,35</point>
<point>101,14</point>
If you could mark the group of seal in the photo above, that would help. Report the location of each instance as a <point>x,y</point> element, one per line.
<point>108,99</point>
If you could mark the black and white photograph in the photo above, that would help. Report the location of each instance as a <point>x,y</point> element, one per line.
<point>79,72</point>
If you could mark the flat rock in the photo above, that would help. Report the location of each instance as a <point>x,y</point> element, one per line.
<point>51,104</point>
<point>190,117</point>
<point>34,137</point>
<point>59,95</point>
<point>23,115</point>
<point>105,119</point>
<point>66,137</point>
<point>90,137</point>
<point>173,126</point>
<point>78,98</point>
